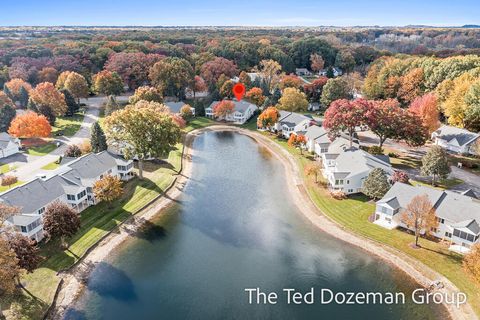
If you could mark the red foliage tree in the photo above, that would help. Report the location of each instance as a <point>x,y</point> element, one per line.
<point>223,109</point>
<point>426,107</point>
<point>313,90</point>
<point>212,70</point>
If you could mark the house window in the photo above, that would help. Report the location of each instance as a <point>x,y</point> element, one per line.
<point>81,195</point>
<point>70,197</point>
<point>350,190</point>
<point>348,181</point>
<point>441,220</point>
<point>24,229</point>
<point>434,230</point>
<point>448,234</point>
<point>338,182</point>
<point>41,210</point>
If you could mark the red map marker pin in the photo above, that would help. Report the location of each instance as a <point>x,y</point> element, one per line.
<point>238,90</point>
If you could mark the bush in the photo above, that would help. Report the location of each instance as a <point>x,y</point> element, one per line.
<point>338,195</point>
<point>393,155</point>
<point>376,150</point>
<point>399,176</point>
<point>9,180</point>
<point>73,151</point>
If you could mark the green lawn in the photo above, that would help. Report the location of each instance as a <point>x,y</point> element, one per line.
<point>198,122</point>
<point>51,166</point>
<point>353,214</point>
<point>251,124</point>
<point>68,125</point>
<point>4,168</point>
<point>42,150</point>
<point>444,184</point>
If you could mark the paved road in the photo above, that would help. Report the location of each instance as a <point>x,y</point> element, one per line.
<point>34,166</point>
<point>471,181</point>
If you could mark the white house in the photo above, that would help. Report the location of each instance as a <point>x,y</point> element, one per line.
<point>71,183</point>
<point>458,214</point>
<point>302,72</point>
<point>455,139</point>
<point>347,170</point>
<point>292,122</point>
<point>8,145</point>
<point>312,133</point>
<point>336,72</point>
<point>241,113</point>
<point>176,106</point>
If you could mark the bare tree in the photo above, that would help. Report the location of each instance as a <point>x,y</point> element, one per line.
<point>420,216</point>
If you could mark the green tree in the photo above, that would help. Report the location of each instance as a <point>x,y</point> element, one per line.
<point>108,83</point>
<point>146,93</point>
<point>23,97</point>
<point>32,106</point>
<point>98,141</point>
<point>173,75</point>
<point>345,61</point>
<point>143,131</point>
<point>72,105</point>
<point>335,89</point>
<point>435,163</point>
<point>111,105</point>
<point>7,114</point>
<point>376,184</point>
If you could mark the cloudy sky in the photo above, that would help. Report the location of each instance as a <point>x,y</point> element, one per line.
<point>239,13</point>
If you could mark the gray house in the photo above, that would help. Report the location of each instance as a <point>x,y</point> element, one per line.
<point>455,139</point>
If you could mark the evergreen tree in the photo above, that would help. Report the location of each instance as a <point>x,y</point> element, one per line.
<point>330,73</point>
<point>98,140</point>
<point>48,113</point>
<point>7,114</point>
<point>277,94</point>
<point>265,88</point>
<point>267,103</point>
<point>23,97</point>
<point>32,106</point>
<point>72,105</point>
<point>111,105</point>
<point>376,184</point>
<point>8,92</point>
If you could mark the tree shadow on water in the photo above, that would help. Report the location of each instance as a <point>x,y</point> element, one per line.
<point>148,231</point>
<point>108,281</point>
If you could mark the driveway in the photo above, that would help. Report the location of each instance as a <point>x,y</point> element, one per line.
<point>34,166</point>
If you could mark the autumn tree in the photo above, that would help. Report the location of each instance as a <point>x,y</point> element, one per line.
<point>107,83</point>
<point>60,221</point>
<point>73,151</point>
<point>9,270</point>
<point>335,89</point>
<point>269,71</point>
<point>212,70</point>
<point>48,74</point>
<point>199,85</point>
<point>268,118</point>
<point>345,61</point>
<point>223,109</point>
<point>7,114</point>
<point>471,261</point>
<point>427,109</point>
<point>98,140</point>
<point>146,93</point>
<point>376,184</point>
<point>255,95</point>
<point>26,251</point>
<point>186,112</point>
<point>399,176</point>
<point>226,89</point>
<point>76,85</point>
<point>108,189</point>
<point>313,169</point>
<point>14,87</point>
<point>46,95</point>
<point>472,113</point>
<point>313,90</point>
<point>143,130</point>
<point>290,81</point>
<point>345,115</point>
<point>435,163</point>
<point>244,78</point>
<point>316,62</point>
<point>173,75</point>
<point>8,180</point>
<point>30,125</point>
<point>6,211</point>
<point>420,216</point>
<point>412,86</point>
<point>293,100</point>
<point>5,100</point>
<point>297,141</point>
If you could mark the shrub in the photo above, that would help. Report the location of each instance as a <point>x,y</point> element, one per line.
<point>73,151</point>
<point>9,180</point>
<point>338,194</point>
<point>376,150</point>
<point>399,176</point>
<point>393,155</point>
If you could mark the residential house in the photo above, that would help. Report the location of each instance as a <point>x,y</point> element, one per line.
<point>176,106</point>
<point>252,75</point>
<point>336,72</point>
<point>8,145</point>
<point>242,112</point>
<point>313,106</point>
<point>292,122</point>
<point>302,72</point>
<point>311,134</point>
<point>71,183</point>
<point>347,170</point>
<point>455,139</point>
<point>458,214</point>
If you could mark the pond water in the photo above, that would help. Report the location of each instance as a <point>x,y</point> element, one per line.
<point>236,227</point>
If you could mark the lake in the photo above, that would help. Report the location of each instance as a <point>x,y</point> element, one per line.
<point>236,227</point>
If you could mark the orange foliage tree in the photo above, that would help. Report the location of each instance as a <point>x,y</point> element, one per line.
<point>15,85</point>
<point>268,118</point>
<point>223,109</point>
<point>426,108</point>
<point>45,94</point>
<point>290,81</point>
<point>30,125</point>
<point>420,216</point>
<point>255,95</point>
<point>297,141</point>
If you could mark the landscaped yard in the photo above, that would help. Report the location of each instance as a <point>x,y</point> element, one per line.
<point>42,149</point>
<point>5,188</point>
<point>4,168</point>
<point>67,126</point>
<point>353,214</point>
<point>51,166</point>
<point>198,122</point>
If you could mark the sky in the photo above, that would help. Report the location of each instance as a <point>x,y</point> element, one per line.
<point>238,12</point>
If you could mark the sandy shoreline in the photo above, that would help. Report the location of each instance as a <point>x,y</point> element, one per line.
<point>73,279</point>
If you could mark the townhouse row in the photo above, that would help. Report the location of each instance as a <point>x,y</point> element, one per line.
<point>72,183</point>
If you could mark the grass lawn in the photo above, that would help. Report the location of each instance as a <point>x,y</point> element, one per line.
<point>353,214</point>
<point>4,168</point>
<point>251,124</point>
<point>198,122</point>
<point>6,188</point>
<point>42,150</point>
<point>444,184</point>
<point>68,125</point>
<point>51,166</point>
<point>470,163</point>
